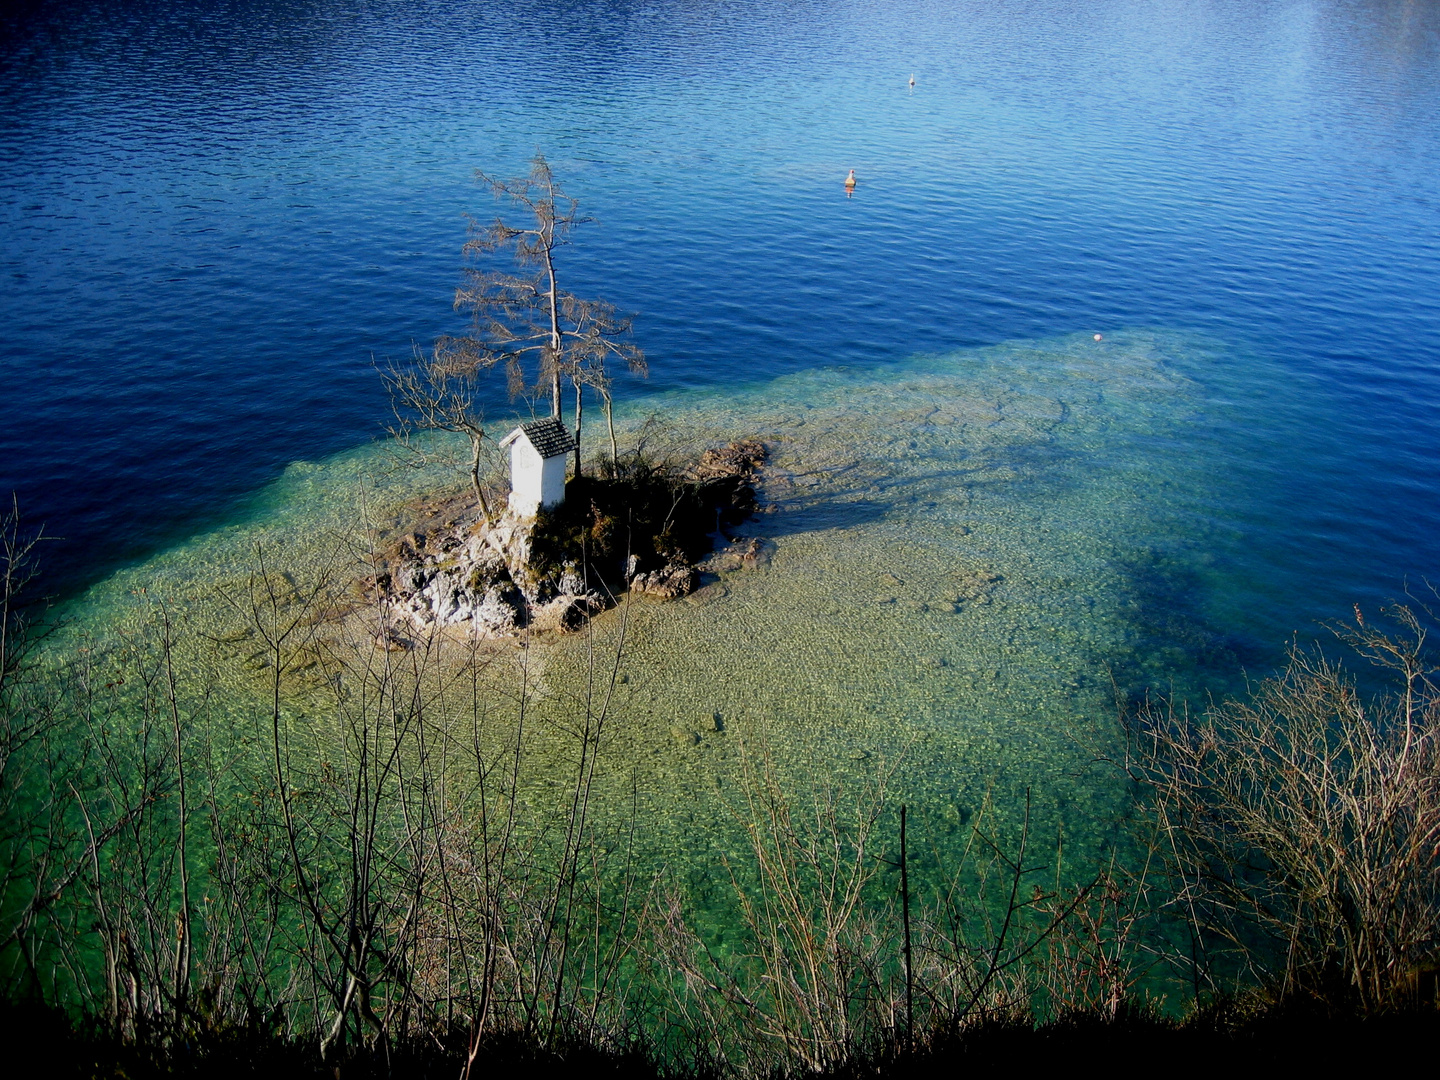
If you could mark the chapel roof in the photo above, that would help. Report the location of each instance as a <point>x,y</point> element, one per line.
<point>548,436</point>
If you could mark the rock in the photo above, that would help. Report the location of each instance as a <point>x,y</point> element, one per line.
<point>728,476</point>
<point>739,459</point>
<point>975,586</point>
<point>570,583</point>
<point>500,611</point>
<point>724,560</point>
<point>565,612</point>
<point>451,567</point>
<point>707,594</point>
<point>683,736</point>
<point>391,640</point>
<point>668,583</point>
<point>757,553</point>
<point>743,553</point>
<point>486,564</point>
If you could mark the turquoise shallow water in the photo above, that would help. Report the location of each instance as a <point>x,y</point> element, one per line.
<point>971,551</point>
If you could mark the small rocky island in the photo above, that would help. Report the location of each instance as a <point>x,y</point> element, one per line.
<point>565,550</point>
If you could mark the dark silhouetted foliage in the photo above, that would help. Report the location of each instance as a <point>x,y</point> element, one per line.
<point>659,514</point>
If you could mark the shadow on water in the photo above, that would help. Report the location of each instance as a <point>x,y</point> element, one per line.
<point>1171,647</point>
<point>820,516</point>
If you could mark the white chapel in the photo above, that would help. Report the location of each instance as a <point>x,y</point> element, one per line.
<point>537,465</point>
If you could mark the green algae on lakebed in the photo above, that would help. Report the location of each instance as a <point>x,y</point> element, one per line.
<point>953,589</point>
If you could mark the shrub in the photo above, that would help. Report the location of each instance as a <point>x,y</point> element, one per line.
<point>1302,824</point>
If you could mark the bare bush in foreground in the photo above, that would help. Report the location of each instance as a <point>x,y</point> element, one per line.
<point>1303,822</point>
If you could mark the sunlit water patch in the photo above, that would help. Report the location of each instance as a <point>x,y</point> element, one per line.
<point>971,553</point>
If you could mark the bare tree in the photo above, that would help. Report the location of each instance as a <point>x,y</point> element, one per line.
<point>599,329</point>
<point>18,571</point>
<point>541,334</point>
<point>437,393</point>
<point>1303,821</point>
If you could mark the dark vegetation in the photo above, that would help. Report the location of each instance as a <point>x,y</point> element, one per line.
<point>644,513</point>
<point>1286,1040</point>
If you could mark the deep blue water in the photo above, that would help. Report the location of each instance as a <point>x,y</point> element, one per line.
<point>213,216</point>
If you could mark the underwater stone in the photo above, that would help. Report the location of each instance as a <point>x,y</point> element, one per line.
<point>758,552</point>
<point>391,640</point>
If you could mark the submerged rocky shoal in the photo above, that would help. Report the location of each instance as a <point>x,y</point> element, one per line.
<point>962,557</point>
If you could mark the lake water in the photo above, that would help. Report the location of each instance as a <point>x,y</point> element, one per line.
<point>214,217</point>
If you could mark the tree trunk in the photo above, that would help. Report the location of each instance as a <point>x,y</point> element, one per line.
<point>610,423</point>
<point>476,446</point>
<point>556,342</point>
<point>578,406</point>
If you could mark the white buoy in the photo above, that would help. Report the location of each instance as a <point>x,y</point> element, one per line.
<point>1097,337</point>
